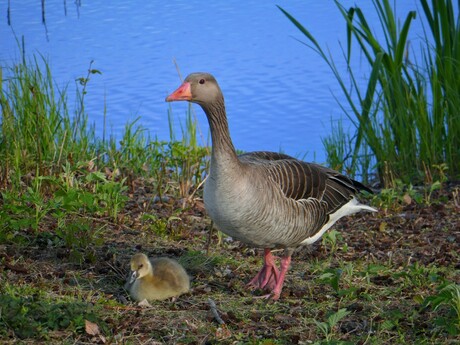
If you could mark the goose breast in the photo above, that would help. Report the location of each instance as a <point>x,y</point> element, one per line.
<point>252,207</point>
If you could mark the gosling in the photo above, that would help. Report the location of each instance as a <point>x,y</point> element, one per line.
<point>158,279</point>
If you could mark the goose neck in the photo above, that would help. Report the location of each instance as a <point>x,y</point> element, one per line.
<point>222,145</point>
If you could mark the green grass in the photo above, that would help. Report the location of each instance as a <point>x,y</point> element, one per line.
<point>30,315</point>
<point>56,171</point>
<point>406,117</point>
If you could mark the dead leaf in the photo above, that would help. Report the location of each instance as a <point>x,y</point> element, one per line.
<point>223,333</point>
<point>407,199</point>
<point>91,328</point>
<point>91,166</point>
<point>144,304</point>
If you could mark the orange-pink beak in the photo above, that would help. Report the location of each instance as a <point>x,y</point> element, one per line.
<point>183,93</point>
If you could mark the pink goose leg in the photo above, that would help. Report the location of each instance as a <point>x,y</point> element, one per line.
<point>285,263</point>
<point>268,276</point>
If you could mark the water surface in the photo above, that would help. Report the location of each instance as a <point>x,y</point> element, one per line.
<point>277,90</point>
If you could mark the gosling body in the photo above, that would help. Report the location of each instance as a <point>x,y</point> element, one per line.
<point>156,279</point>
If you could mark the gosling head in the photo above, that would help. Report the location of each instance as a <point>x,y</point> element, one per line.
<point>140,267</point>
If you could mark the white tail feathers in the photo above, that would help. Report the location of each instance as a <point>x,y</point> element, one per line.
<point>351,207</point>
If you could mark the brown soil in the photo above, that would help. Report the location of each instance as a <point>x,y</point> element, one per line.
<point>427,235</point>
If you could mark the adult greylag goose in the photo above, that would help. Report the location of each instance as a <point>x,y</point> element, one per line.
<point>266,199</point>
<point>156,279</point>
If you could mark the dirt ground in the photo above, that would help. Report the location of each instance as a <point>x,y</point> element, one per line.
<point>426,235</point>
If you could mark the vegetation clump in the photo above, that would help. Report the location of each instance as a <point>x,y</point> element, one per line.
<point>32,317</point>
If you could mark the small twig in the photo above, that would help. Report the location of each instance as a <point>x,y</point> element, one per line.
<point>120,273</point>
<point>111,307</point>
<point>215,313</point>
<point>15,268</point>
<point>209,239</point>
<point>196,189</point>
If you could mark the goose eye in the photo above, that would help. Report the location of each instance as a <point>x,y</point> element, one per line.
<point>141,265</point>
<point>202,81</point>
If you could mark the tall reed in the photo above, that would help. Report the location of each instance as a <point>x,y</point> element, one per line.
<point>408,113</point>
<point>38,131</point>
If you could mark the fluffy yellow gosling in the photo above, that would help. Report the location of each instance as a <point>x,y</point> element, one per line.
<point>156,279</point>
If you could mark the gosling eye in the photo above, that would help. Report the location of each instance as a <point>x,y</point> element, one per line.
<point>202,81</point>
<point>140,266</point>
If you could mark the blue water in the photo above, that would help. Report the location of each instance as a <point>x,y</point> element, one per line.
<point>278,91</point>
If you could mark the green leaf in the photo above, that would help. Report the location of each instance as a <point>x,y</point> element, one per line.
<point>336,317</point>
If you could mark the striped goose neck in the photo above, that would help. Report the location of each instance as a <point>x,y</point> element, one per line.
<point>222,145</point>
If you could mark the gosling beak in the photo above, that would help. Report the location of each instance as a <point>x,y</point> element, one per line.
<point>183,93</point>
<point>133,277</point>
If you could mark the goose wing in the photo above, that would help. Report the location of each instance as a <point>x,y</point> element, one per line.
<point>300,180</point>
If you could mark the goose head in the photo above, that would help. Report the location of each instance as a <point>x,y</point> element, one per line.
<point>140,267</point>
<point>200,88</point>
